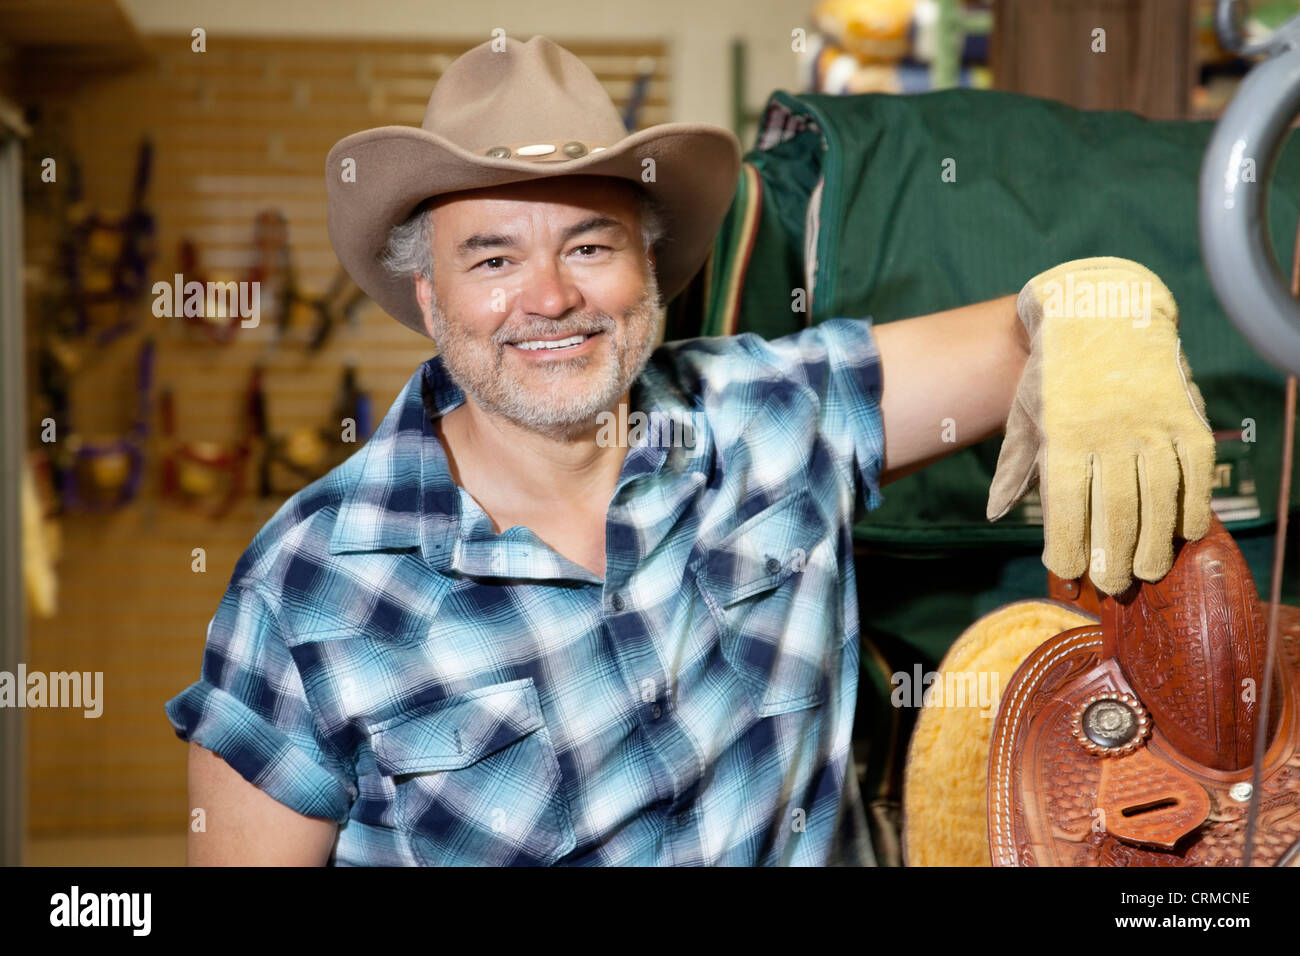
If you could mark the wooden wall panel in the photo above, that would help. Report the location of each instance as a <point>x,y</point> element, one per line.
<point>240,128</point>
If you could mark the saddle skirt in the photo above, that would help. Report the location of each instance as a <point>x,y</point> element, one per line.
<point>1129,742</point>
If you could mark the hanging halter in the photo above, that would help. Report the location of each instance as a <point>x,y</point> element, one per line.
<point>217,329</point>
<point>207,476</point>
<point>307,453</point>
<point>640,88</point>
<point>101,476</point>
<point>105,259</point>
<point>273,269</point>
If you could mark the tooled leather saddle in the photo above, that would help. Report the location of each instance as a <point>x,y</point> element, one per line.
<point>1131,742</point>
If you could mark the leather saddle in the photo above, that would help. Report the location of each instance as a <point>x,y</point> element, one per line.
<point>1130,742</point>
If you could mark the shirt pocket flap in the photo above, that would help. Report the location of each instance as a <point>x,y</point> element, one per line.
<point>764,551</point>
<point>455,733</point>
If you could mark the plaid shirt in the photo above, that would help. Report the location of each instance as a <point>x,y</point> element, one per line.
<point>450,695</point>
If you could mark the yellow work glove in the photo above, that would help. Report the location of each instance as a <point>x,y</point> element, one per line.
<point>1108,422</point>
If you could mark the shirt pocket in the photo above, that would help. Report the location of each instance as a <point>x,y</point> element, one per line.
<point>771,587</point>
<point>476,779</point>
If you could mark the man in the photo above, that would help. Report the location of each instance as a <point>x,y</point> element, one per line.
<point>517,628</point>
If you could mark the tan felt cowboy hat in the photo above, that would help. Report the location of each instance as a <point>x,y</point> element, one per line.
<point>506,112</point>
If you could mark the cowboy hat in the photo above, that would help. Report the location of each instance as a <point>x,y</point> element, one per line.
<point>506,112</point>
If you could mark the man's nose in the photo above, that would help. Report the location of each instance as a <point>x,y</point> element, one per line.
<point>548,289</point>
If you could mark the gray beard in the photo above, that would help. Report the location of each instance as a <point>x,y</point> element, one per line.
<point>477,366</point>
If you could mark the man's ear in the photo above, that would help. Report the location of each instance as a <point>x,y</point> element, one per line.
<point>424,296</point>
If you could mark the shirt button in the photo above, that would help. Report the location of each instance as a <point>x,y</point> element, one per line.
<point>683,819</point>
<point>773,565</point>
<point>616,602</point>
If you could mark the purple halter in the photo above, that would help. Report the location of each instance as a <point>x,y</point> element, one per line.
<point>131,445</point>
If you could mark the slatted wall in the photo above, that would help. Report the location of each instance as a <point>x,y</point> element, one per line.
<point>242,127</point>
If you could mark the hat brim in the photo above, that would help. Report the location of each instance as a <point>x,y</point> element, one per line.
<point>395,168</point>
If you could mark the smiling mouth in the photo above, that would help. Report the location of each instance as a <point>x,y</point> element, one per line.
<point>554,345</point>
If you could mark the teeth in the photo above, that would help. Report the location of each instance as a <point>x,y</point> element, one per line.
<point>557,344</point>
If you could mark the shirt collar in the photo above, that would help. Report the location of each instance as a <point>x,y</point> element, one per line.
<point>401,493</point>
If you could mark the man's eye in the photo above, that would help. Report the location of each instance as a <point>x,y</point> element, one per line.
<point>493,259</point>
<point>580,248</point>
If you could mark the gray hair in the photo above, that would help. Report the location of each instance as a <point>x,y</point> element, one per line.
<point>410,243</point>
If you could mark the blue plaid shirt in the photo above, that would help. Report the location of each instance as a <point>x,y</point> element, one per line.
<point>450,695</point>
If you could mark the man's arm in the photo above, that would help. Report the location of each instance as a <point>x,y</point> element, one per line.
<point>948,380</point>
<point>246,827</point>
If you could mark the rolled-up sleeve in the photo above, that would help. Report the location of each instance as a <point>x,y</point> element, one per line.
<point>249,706</point>
<point>838,360</point>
